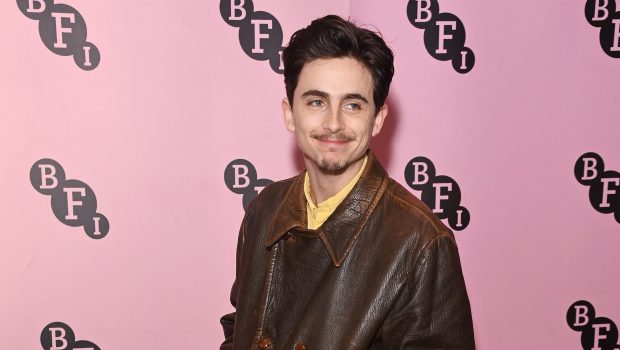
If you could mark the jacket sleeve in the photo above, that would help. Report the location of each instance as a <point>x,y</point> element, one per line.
<point>432,310</point>
<point>228,320</point>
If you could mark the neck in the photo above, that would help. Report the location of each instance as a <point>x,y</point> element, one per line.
<point>324,185</point>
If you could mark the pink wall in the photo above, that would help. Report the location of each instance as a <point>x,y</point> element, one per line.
<point>174,99</point>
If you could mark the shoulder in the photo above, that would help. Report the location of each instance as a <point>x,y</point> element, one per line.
<point>270,197</point>
<point>412,213</point>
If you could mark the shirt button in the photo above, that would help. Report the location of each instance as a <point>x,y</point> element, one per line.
<point>265,343</point>
<point>300,346</point>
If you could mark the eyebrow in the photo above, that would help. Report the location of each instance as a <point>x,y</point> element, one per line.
<point>319,93</point>
<point>355,96</point>
<point>315,93</point>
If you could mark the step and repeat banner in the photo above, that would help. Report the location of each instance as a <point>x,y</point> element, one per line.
<point>134,134</point>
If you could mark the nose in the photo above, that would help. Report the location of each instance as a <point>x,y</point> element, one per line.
<point>333,121</point>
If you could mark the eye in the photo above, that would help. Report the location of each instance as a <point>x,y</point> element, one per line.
<point>316,103</point>
<point>353,106</point>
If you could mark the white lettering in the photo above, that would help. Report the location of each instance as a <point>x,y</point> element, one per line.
<point>598,8</point>
<point>589,164</point>
<point>258,35</point>
<point>87,56</point>
<point>581,316</point>
<point>616,45</point>
<point>439,197</point>
<point>32,9</point>
<point>597,334</point>
<point>234,7</point>
<point>59,44</point>
<point>71,203</point>
<point>241,173</point>
<point>608,192</point>
<point>443,36</point>
<point>463,59</point>
<point>48,176</point>
<point>96,220</point>
<point>58,334</point>
<point>281,67</point>
<point>426,9</point>
<point>420,169</point>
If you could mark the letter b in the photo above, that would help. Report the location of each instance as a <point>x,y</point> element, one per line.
<point>59,342</point>
<point>35,9</point>
<point>597,12</point>
<point>32,9</point>
<point>420,176</point>
<point>57,336</point>
<point>236,12</point>
<point>588,168</point>
<point>48,172</point>
<point>600,10</point>
<point>239,176</point>
<point>421,12</point>
<point>46,175</point>
<point>419,173</point>
<point>580,315</point>
<point>237,7</point>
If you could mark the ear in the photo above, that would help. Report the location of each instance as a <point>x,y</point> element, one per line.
<point>287,110</point>
<point>377,124</point>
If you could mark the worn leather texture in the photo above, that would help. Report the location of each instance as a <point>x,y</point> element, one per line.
<point>381,273</point>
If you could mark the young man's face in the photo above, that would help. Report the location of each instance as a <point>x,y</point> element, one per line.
<point>333,113</point>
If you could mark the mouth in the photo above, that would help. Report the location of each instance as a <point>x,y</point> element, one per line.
<point>333,139</point>
<point>330,142</point>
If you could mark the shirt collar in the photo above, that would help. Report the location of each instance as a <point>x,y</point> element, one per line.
<point>321,211</point>
<point>341,229</point>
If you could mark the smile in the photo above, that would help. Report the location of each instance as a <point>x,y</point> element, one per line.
<point>336,139</point>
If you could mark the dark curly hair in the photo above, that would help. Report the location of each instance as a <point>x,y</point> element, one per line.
<point>334,37</point>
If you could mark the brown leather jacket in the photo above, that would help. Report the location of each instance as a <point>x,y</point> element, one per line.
<point>381,273</point>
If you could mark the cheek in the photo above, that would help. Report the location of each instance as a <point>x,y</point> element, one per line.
<point>365,129</point>
<point>301,135</point>
<point>307,125</point>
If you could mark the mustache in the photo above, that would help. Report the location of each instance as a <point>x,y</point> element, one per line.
<point>336,136</point>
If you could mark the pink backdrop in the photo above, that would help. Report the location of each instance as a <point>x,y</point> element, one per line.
<point>175,99</point>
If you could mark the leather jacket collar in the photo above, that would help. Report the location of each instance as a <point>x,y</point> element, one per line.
<point>341,229</point>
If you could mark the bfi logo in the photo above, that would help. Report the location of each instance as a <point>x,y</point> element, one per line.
<point>241,178</point>
<point>260,33</point>
<point>604,184</point>
<point>602,14</point>
<point>59,336</point>
<point>444,34</point>
<point>597,333</point>
<point>73,202</point>
<point>439,192</point>
<point>62,30</point>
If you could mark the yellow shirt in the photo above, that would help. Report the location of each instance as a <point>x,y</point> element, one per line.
<point>317,214</point>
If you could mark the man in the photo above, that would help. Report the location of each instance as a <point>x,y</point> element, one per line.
<point>342,256</point>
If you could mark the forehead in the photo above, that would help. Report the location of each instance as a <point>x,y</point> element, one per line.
<point>335,76</point>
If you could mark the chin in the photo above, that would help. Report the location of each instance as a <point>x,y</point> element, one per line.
<point>332,167</point>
